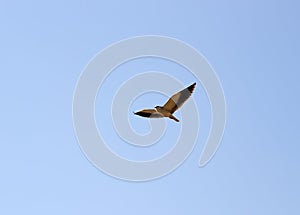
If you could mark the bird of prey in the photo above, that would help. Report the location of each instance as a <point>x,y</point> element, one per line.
<point>173,104</point>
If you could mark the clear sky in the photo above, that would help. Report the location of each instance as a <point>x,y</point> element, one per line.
<point>253,47</point>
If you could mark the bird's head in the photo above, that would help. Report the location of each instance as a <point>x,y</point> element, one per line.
<point>158,107</point>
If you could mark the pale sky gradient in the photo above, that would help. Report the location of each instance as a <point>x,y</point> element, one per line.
<point>252,45</point>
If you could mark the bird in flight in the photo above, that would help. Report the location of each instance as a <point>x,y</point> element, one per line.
<point>173,104</point>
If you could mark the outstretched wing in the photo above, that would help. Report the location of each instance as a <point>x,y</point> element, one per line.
<point>150,113</point>
<point>177,100</point>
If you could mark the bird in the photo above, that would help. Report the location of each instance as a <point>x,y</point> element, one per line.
<point>173,104</point>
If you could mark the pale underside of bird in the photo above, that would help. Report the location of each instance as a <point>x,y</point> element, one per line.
<point>173,104</point>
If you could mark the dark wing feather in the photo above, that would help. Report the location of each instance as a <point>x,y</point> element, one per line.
<point>177,100</point>
<point>150,113</point>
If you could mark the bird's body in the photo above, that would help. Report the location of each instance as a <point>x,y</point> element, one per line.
<point>166,113</point>
<point>173,104</point>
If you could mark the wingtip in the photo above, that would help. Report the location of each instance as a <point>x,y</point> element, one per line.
<point>192,87</point>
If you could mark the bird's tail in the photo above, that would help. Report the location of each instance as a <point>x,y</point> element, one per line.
<point>174,118</point>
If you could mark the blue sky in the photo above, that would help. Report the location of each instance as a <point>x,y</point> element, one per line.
<point>252,45</point>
